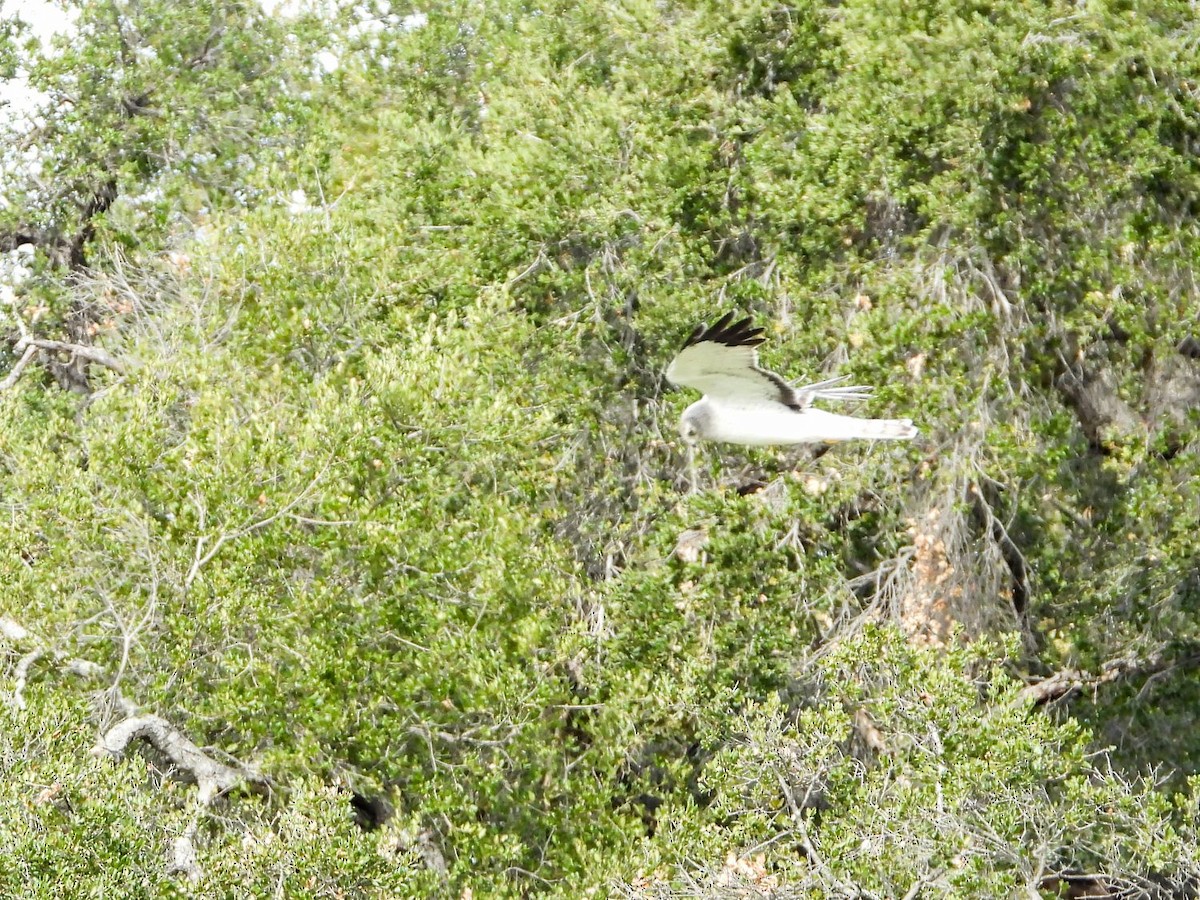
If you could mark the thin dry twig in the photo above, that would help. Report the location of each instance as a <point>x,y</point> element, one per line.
<point>810,851</point>
<point>201,557</point>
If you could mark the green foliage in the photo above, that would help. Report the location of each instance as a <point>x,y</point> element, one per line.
<point>389,505</point>
<point>955,773</point>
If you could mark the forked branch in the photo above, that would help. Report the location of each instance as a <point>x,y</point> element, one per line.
<point>212,778</point>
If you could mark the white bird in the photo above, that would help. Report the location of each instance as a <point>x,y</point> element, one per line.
<point>743,404</point>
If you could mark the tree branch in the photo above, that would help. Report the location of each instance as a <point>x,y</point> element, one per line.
<point>201,558</point>
<point>15,632</point>
<point>1101,412</point>
<point>15,373</point>
<point>91,354</point>
<point>1068,681</point>
<point>815,859</point>
<point>1014,559</point>
<point>213,778</point>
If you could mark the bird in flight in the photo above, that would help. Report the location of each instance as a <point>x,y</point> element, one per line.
<point>743,404</point>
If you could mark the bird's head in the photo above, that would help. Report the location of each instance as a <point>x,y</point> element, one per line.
<point>691,423</point>
<point>688,431</point>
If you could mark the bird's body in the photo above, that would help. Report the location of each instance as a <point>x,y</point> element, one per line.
<point>744,404</point>
<point>760,425</point>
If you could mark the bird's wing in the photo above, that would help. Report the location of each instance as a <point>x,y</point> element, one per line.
<point>721,361</point>
<point>830,389</point>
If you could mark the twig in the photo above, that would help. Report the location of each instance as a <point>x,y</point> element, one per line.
<point>202,558</point>
<point>810,851</point>
<point>533,268</point>
<point>922,882</point>
<point>1013,558</point>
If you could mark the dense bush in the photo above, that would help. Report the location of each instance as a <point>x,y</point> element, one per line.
<point>381,504</point>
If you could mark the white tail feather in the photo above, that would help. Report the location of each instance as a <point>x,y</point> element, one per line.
<point>825,426</point>
<point>885,429</point>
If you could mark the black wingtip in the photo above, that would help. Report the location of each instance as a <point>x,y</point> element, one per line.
<point>738,334</point>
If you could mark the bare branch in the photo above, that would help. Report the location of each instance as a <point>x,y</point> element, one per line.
<point>22,675</point>
<point>83,668</point>
<point>1013,558</point>
<point>16,371</point>
<point>1068,681</point>
<point>183,853</point>
<point>201,558</point>
<point>921,883</point>
<point>12,629</point>
<point>213,778</point>
<point>539,263</point>
<point>810,850</point>
<point>92,354</point>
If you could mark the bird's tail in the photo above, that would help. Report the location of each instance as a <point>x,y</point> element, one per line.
<point>819,425</point>
<point>879,429</point>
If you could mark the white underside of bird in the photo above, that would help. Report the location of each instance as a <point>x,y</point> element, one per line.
<point>763,425</point>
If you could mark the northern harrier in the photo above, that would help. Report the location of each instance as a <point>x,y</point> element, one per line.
<point>743,404</point>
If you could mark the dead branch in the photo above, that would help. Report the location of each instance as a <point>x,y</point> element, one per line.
<point>29,347</point>
<point>539,263</point>
<point>183,853</point>
<point>91,354</point>
<point>212,778</point>
<point>15,372</point>
<point>83,668</point>
<point>923,882</point>
<point>1059,685</point>
<point>12,629</point>
<point>1069,681</point>
<point>22,675</point>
